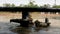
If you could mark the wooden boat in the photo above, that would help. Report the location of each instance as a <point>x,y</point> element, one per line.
<point>21,22</point>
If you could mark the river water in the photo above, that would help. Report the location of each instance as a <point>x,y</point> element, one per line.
<point>12,28</point>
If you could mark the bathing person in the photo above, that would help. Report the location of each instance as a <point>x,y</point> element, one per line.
<point>46,20</point>
<point>37,23</point>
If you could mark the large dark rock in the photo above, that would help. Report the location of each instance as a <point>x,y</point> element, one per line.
<point>24,23</point>
<point>15,20</point>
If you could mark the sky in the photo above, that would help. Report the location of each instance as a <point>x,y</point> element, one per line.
<point>38,2</point>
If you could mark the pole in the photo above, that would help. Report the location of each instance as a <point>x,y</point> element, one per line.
<point>55,2</point>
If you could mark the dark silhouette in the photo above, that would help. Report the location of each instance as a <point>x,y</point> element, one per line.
<point>37,23</point>
<point>22,22</point>
<point>15,20</point>
<point>25,14</point>
<point>47,21</point>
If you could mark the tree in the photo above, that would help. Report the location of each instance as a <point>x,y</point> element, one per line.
<point>31,5</point>
<point>45,6</point>
<point>9,5</point>
<point>56,6</point>
<point>12,5</point>
<point>6,5</point>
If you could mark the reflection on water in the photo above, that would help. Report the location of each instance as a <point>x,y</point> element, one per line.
<point>26,30</point>
<point>30,30</point>
<point>23,30</point>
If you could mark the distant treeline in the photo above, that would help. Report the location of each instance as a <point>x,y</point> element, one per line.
<point>31,5</point>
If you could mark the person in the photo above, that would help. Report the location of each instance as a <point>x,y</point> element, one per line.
<point>37,23</point>
<point>46,20</point>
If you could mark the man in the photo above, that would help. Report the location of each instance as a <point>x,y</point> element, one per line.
<point>37,23</point>
<point>46,20</point>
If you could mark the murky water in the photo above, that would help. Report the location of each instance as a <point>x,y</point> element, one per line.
<point>11,28</point>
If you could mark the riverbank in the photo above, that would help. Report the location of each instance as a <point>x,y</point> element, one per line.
<point>6,16</point>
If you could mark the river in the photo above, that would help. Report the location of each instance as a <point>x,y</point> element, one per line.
<point>11,28</point>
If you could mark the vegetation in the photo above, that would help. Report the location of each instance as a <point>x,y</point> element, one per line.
<point>9,5</point>
<point>45,6</point>
<point>57,6</point>
<point>31,5</point>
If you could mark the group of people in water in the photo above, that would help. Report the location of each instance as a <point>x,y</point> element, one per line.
<point>37,22</point>
<point>29,20</point>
